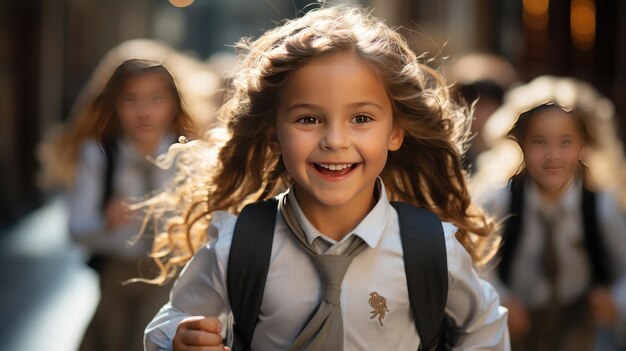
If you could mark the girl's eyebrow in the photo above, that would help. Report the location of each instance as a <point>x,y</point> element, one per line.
<point>352,105</point>
<point>302,105</point>
<point>367,103</point>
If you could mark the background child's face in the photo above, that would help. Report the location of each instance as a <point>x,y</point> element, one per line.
<point>334,129</point>
<point>552,148</point>
<point>145,108</point>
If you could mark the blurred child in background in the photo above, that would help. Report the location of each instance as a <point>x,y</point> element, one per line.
<point>480,80</point>
<point>562,265</point>
<point>138,115</point>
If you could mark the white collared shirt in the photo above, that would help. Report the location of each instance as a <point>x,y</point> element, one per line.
<point>133,178</point>
<point>293,289</point>
<point>528,282</point>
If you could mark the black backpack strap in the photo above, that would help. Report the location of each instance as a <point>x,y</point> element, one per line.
<point>426,266</point>
<point>98,261</point>
<point>110,156</point>
<point>596,251</point>
<point>248,265</point>
<point>512,230</point>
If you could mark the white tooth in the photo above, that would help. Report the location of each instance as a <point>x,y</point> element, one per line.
<point>335,167</point>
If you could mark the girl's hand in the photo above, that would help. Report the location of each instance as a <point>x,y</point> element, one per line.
<point>519,321</point>
<point>115,214</point>
<point>602,306</point>
<point>199,333</point>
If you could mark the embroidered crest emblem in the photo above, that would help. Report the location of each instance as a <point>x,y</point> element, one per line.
<point>379,306</point>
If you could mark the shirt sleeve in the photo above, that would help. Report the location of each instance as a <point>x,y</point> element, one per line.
<point>496,204</point>
<point>87,225</point>
<point>479,322</point>
<point>86,216</point>
<point>200,290</point>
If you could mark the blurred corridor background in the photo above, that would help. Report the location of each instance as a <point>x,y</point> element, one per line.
<point>50,49</point>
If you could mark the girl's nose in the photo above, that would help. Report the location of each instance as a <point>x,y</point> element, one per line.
<point>144,109</point>
<point>335,138</point>
<point>553,153</point>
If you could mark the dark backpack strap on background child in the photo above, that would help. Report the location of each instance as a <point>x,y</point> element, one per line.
<point>512,229</point>
<point>596,248</point>
<point>425,262</point>
<point>248,264</point>
<point>109,147</point>
<point>426,266</point>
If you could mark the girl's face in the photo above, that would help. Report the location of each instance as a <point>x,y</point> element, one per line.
<point>552,149</point>
<point>334,129</point>
<point>145,108</point>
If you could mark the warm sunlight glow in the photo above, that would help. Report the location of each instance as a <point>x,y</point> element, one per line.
<point>536,14</point>
<point>181,3</point>
<point>583,23</point>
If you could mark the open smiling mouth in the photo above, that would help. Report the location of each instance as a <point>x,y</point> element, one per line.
<point>335,169</point>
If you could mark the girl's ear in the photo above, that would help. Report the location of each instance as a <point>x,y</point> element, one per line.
<point>272,141</point>
<point>396,138</point>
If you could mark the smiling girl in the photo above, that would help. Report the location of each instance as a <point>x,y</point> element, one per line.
<point>330,117</point>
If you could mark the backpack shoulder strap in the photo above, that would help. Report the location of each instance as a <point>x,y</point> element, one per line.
<point>596,250</point>
<point>512,230</point>
<point>248,264</point>
<point>109,147</point>
<point>426,266</point>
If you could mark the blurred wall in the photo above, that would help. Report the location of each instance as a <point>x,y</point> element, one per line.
<point>20,38</point>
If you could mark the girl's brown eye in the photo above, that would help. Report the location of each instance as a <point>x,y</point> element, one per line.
<point>361,119</point>
<point>308,120</point>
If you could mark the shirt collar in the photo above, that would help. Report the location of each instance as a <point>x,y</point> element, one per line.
<point>126,146</point>
<point>370,229</point>
<point>568,203</point>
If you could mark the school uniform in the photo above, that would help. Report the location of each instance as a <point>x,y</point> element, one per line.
<point>123,311</point>
<point>293,288</point>
<point>528,280</point>
<point>133,177</point>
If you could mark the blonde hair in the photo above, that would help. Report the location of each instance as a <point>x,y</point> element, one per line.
<point>231,168</point>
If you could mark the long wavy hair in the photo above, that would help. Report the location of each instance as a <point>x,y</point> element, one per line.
<point>232,167</point>
<point>98,121</point>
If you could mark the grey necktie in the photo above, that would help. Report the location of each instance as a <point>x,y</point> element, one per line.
<point>550,263</point>
<point>324,331</point>
<point>550,260</point>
